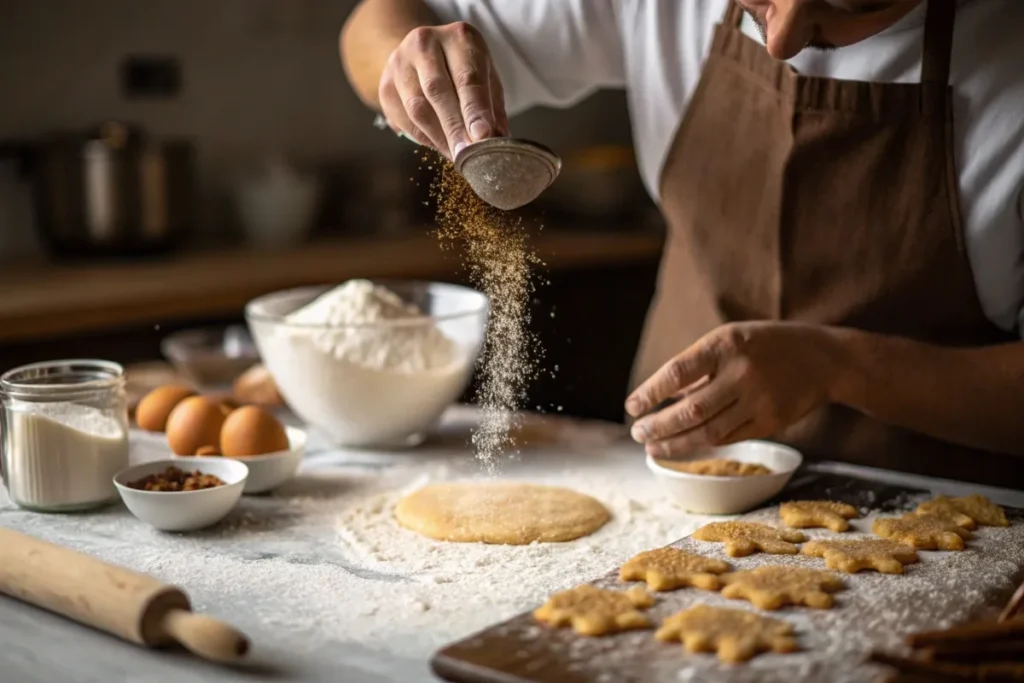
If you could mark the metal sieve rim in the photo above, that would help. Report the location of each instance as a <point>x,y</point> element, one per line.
<point>516,145</point>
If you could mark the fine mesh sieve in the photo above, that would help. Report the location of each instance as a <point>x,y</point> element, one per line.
<point>508,173</point>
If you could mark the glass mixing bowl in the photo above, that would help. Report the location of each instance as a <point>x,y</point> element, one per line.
<point>334,377</point>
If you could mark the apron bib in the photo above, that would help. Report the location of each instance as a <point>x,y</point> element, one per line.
<point>824,201</point>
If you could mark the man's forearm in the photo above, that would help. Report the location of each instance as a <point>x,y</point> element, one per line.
<point>371,33</point>
<point>972,396</point>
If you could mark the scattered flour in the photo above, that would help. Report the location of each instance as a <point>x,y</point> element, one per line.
<point>323,561</point>
<point>321,564</point>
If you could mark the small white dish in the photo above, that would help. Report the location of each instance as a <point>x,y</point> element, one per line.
<point>702,494</point>
<point>184,510</point>
<point>267,472</point>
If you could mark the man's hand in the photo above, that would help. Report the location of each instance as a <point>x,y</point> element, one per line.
<point>440,88</point>
<point>740,381</point>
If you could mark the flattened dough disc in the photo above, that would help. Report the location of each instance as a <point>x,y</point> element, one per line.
<point>509,513</point>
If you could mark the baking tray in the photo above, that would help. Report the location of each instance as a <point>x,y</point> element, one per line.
<point>875,611</point>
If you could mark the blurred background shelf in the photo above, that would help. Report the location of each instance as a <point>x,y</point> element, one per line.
<point>259,169</point>
<point>52,300</point>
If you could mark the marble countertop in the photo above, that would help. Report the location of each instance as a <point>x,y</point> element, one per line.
<point>39,647</point>
<point>317,608</point>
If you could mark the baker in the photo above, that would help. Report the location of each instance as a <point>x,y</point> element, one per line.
<point>842,181</point>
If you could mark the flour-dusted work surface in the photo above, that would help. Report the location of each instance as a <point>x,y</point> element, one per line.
<point>321,578</point>
<point>874,611</point>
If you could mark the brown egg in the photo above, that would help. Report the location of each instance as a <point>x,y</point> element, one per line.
<point>207,451</point>
<point>152,411</point>
<point>194,423</point>
<point>251,430</point>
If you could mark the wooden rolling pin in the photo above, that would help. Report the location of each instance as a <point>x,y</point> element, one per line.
<point>132,606</point>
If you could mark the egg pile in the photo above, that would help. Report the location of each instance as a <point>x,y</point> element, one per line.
<point>202,425</point>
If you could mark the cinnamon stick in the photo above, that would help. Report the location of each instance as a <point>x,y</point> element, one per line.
<point>935,670</point>
<point>994,651</point>
<point>988,630</point>
<point>1014,605</point>
<point>943,671</point>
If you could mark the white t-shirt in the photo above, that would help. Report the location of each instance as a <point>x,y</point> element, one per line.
<point>557,52</point>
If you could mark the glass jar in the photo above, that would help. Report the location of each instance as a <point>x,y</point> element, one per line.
<point>65,434</point>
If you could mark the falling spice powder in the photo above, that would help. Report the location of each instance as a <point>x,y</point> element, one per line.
<point>500,263</point>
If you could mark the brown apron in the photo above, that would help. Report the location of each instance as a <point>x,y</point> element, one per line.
<point>834,202</point>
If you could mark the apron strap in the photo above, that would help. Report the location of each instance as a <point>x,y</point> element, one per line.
<point>938,41</point>
<point>733,14</point>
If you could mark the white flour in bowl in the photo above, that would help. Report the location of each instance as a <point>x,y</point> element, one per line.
<point>360,315</point>
<point>370,369</point>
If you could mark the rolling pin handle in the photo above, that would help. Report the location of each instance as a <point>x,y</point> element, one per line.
<point>206,637</point>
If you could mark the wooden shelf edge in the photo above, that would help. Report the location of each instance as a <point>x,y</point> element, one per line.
<point>54,301</point>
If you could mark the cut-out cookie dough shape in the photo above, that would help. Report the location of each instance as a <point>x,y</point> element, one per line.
<point>924,532</point>
<point>746,538</point>
<point>851,556</point>
<point>592,611</point>
<point>736,635</point>
<point>666,569</point>
<point>967,511</point>
<point>817,514</point>
<point>775,586</point>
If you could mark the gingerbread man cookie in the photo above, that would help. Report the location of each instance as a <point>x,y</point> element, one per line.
<point>775,586</point>
<point>924,532</point>
<point>821,514</point>
<point>666,569</point>
<point>745,538</point>
<point>736,635</point>
<point>593,611</point>
<point>851,556</point>
<point>967,511</point>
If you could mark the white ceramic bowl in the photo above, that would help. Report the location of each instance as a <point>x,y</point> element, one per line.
<point>353,404</point>
<point>267,472</point>
<point>184,510</point>
<point>731,495</point>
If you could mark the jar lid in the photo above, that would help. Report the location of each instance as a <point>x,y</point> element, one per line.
<point>61,379</point>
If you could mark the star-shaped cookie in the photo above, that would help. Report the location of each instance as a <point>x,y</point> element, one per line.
<point>666,569</point>
<point>820,514</point>
<point>736,635</point>
<point>851,556</point>
<point>967,511</point>
<point>774,586</point>
<point>593,611</point>
<point>746,538</point>
<point>924,532</point>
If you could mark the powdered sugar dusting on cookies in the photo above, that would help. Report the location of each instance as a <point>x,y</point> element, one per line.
<point>874,611</point>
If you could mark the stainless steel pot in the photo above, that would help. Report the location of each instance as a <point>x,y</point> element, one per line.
<point>113,190</point>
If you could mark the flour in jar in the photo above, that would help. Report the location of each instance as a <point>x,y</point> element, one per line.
<point>366,366</point>
<point>63,455</point>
